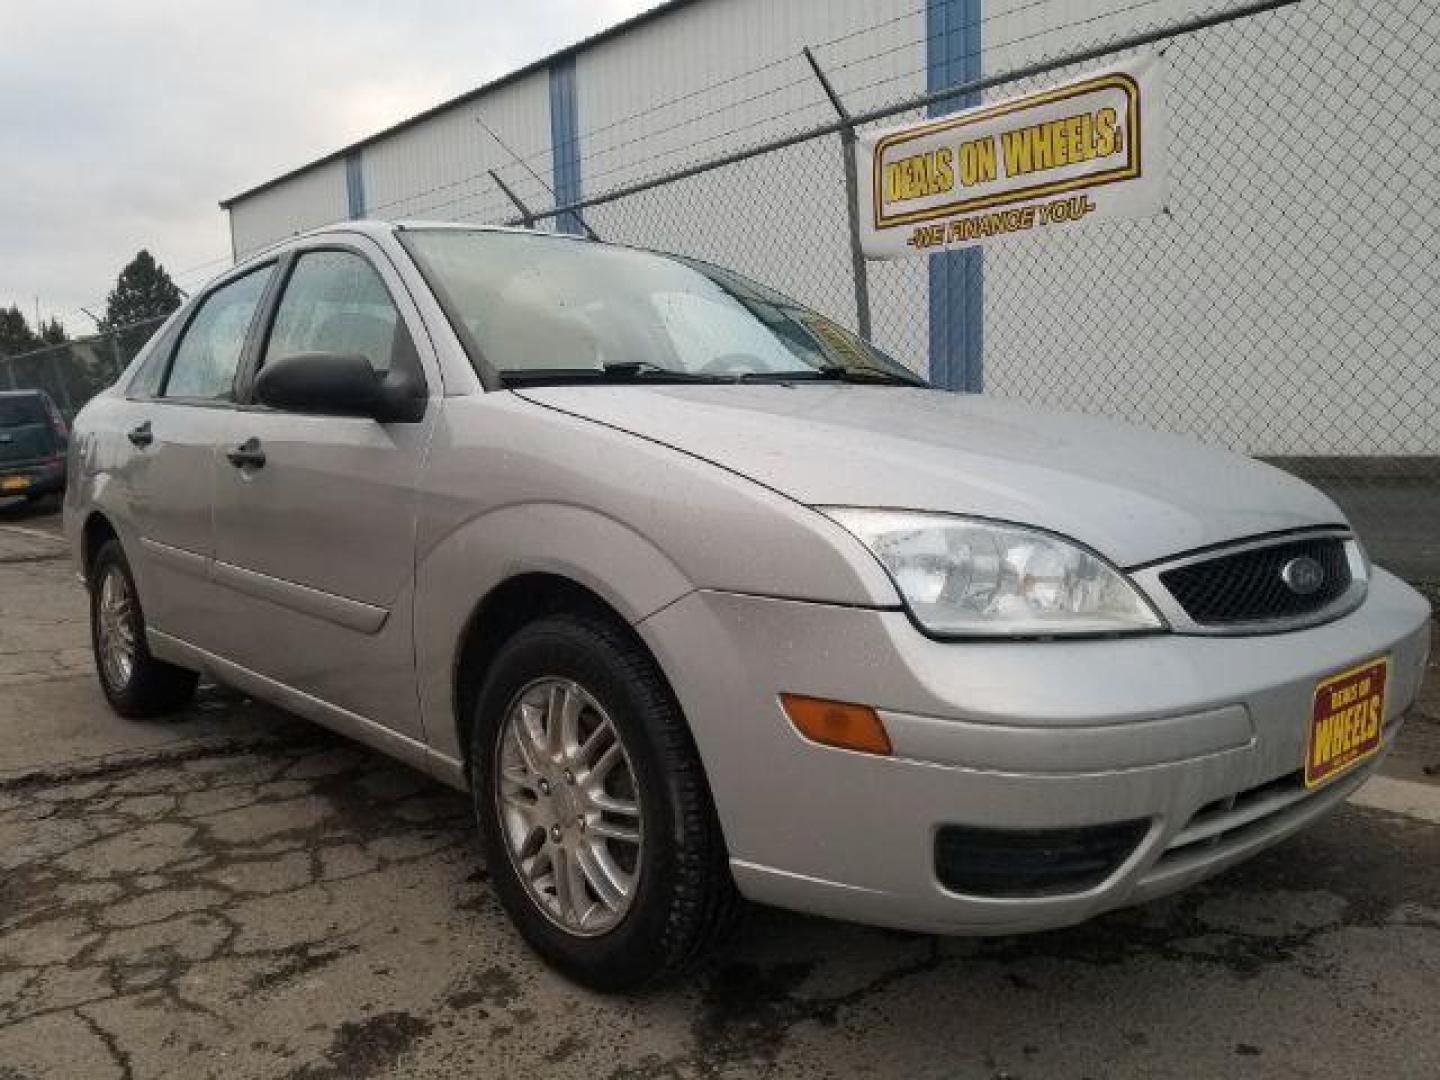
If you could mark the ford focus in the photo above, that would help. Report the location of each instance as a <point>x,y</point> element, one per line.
<point>701,597</point>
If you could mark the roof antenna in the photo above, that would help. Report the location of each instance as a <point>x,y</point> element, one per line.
<point>526,166</point>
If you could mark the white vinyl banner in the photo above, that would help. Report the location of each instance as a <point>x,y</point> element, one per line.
<point>1091,149</point>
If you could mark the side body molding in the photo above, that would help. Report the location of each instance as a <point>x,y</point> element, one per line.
<point>177,559</point>
<point>340,610</point>
<point>455,575</point>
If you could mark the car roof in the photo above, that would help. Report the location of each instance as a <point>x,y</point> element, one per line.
<point>376,228</point>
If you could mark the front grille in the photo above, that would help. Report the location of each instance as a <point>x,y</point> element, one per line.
<point>1248,586</point>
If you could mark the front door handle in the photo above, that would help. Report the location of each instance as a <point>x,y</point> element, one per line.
<point>248,455</point>
<point>141,435</point>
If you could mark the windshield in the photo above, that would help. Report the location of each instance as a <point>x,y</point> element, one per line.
<point>547,309</point>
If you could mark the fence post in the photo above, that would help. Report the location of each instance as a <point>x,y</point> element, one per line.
<point>858,268</point>
<point>66,405</point>
<point>115,353</point>
<point>9,366</point>
<point>526,218</point>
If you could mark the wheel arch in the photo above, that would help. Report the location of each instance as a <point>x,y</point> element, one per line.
<point>94,534</point>
<point>501,613</point>
<point>487,578</point>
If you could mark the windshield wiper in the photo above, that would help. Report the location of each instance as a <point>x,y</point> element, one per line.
<point>619,371</point>
<point>841,373</point>
<point>645,369</point>
<point>836,373</point>
<point>649,372</point>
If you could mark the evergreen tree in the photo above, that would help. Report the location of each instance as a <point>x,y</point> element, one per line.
<point>15,334</point>
<point>52,332</point>
<point>143,291</point>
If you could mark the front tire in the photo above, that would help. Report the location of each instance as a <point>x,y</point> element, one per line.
<point>134,682</point>
<point>593,808</point>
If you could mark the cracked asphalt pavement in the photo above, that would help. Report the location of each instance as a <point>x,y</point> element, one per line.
<point>235,893</point>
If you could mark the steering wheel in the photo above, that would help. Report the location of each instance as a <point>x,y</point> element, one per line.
<point>735,363</point>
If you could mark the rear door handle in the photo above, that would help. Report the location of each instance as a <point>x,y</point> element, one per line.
<point>248,455</point>
<point>141,435</point>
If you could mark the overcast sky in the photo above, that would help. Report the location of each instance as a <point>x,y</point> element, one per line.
<point>124,122</point>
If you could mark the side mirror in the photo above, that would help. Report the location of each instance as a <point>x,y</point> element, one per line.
<point>338,385</point>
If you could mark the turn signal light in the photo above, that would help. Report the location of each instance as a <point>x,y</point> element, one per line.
<point>837,723</point>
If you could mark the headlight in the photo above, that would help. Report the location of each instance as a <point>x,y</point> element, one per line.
<point>965,577</point>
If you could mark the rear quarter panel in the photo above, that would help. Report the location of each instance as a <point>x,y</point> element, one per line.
<point>97,457</point>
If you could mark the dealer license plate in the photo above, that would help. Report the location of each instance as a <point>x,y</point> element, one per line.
<point>1345,720</point>
<point>14,483</point>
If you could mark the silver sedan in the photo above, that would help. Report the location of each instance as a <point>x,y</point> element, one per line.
<point>702,597</point>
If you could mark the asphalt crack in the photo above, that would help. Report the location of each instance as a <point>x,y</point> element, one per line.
<point>118,1056</point>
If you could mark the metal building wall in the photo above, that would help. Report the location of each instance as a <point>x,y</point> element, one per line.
<point>439,168</point>
<point>315,197</point>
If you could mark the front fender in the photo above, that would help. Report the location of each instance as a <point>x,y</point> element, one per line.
<point>456,573</point>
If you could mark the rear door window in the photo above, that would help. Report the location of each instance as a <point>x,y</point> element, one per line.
<point>147,380</point>
<point>209,352</point>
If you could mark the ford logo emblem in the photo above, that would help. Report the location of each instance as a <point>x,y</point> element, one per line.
<point>1303,575</point>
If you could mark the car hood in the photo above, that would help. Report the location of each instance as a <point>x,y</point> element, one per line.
<point>1131,494</point>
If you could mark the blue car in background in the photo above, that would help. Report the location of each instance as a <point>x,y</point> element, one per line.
<point>33,444</point>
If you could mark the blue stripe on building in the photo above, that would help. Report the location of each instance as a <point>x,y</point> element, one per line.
<point>957,278</point>
<point>565,141</point>
<point>355,184</point>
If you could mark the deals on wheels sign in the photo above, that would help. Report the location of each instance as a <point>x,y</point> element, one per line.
<point>1081,152</point>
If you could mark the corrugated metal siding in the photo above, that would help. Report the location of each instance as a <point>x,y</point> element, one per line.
<point>728,73</point>
<point>314,198</point>
<point>440,169</point>
<point>1020,32</point>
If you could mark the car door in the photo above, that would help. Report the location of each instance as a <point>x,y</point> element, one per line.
<point>170,425</point>
<point>315,514</point>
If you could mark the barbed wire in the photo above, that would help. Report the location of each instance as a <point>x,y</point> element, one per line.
<point>807,78</point>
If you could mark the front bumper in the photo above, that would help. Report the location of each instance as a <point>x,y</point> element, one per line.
<point>1200,737</point>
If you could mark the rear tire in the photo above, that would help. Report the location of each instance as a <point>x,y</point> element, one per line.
<point>135,683</point>
<point>657,896</point>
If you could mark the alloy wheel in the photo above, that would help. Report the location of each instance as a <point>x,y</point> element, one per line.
<point>116,632</point>
<point>569,806</point>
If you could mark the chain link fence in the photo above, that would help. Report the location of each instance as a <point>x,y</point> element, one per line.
<point>1286,304</point>
<point>74,372</point>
